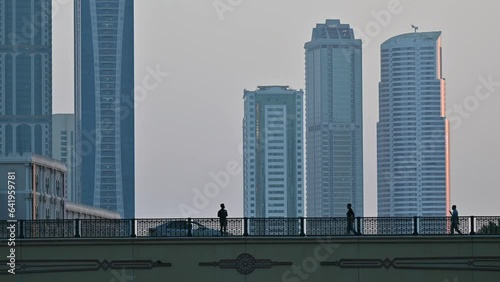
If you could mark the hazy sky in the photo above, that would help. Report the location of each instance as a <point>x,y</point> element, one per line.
<point>189,123</point>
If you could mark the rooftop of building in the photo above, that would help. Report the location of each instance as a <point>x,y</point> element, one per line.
<point>421,36</point>
<point>91,210</point>
<point>332,29</point>
<point>63,115</point>
<point>273,89</point>
<point>33,158</point>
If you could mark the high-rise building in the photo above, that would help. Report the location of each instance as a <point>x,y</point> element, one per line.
<point>273,152</point>
<point>413,132</point>
<point>63,149</point>
<point>334,121</point>
<point>104,103</point>
<point>25,77</point>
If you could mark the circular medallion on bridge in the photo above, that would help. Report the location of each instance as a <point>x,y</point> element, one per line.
<point>245,263</point>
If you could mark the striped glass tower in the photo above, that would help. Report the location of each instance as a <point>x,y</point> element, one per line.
<point>104,103</point>
<point>413,132</point>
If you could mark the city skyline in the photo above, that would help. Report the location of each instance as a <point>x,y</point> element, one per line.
<point>199,160</point>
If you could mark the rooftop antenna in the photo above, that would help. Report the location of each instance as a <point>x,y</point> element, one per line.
<point>415,28</point>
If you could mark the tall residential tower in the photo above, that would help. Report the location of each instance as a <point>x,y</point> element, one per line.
<point>63,149</point>
<point>273,152</point>
<point>412,133</point>
<point>25,77</point>
<point>104,103</point>
<point>334,121</point>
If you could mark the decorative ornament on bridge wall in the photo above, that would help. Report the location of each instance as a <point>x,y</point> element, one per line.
<point>479,263</point>
<point>77,265</point>
<point>245,263</point>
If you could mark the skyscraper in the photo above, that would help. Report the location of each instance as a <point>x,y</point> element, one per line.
<point>273,152</point>
<point>104,103</point>
<point>334,121</point>
<point>63,149</point>
<point>25,77</point>
<point>412,133</point>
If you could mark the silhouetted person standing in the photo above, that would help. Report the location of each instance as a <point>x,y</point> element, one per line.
<point>454,220</point>
<point>350,220</point>
<point>222,214</point>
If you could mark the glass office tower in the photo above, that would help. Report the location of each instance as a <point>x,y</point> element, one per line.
<point>25,77</point>
<point>104,103</point>
<point>413,132</point>
<point>334,121</point>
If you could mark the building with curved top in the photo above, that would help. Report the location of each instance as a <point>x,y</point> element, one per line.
<point>413,164</point>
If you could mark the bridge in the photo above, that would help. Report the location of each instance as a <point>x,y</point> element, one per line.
<point>251,249</point>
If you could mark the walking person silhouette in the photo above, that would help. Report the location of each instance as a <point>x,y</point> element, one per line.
<point>454,220</point>
<point>350,220</point>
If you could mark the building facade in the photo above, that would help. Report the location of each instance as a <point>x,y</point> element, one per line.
<point>38,185</point>
<point>273,153</point>
<point>25,77</point>
<point>413,161</point>
<point>63,149</point>
<point>104,104</point>
<point>334,121</point>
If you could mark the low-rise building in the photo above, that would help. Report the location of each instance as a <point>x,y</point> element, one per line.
<point>38,182</point>
<point>34,187</point>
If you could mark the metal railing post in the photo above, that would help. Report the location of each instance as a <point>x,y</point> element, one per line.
<point>415,225</point>
<point>358,224</point>
<point>190,226</point>
<point>132,225</point>
<point>472,228</point>
<point>245,226</point>
<point>21,228</point>
<point>302,231</point>
<point>77,227</point>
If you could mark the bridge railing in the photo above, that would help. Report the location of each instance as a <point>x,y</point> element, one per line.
<point>387,226</point>
<point>211,227</point>
<point>486,225</point>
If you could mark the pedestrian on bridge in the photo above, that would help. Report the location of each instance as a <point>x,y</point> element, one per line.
<point>350,220</point>
<point>222,214</point>
<point>454,220</point>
